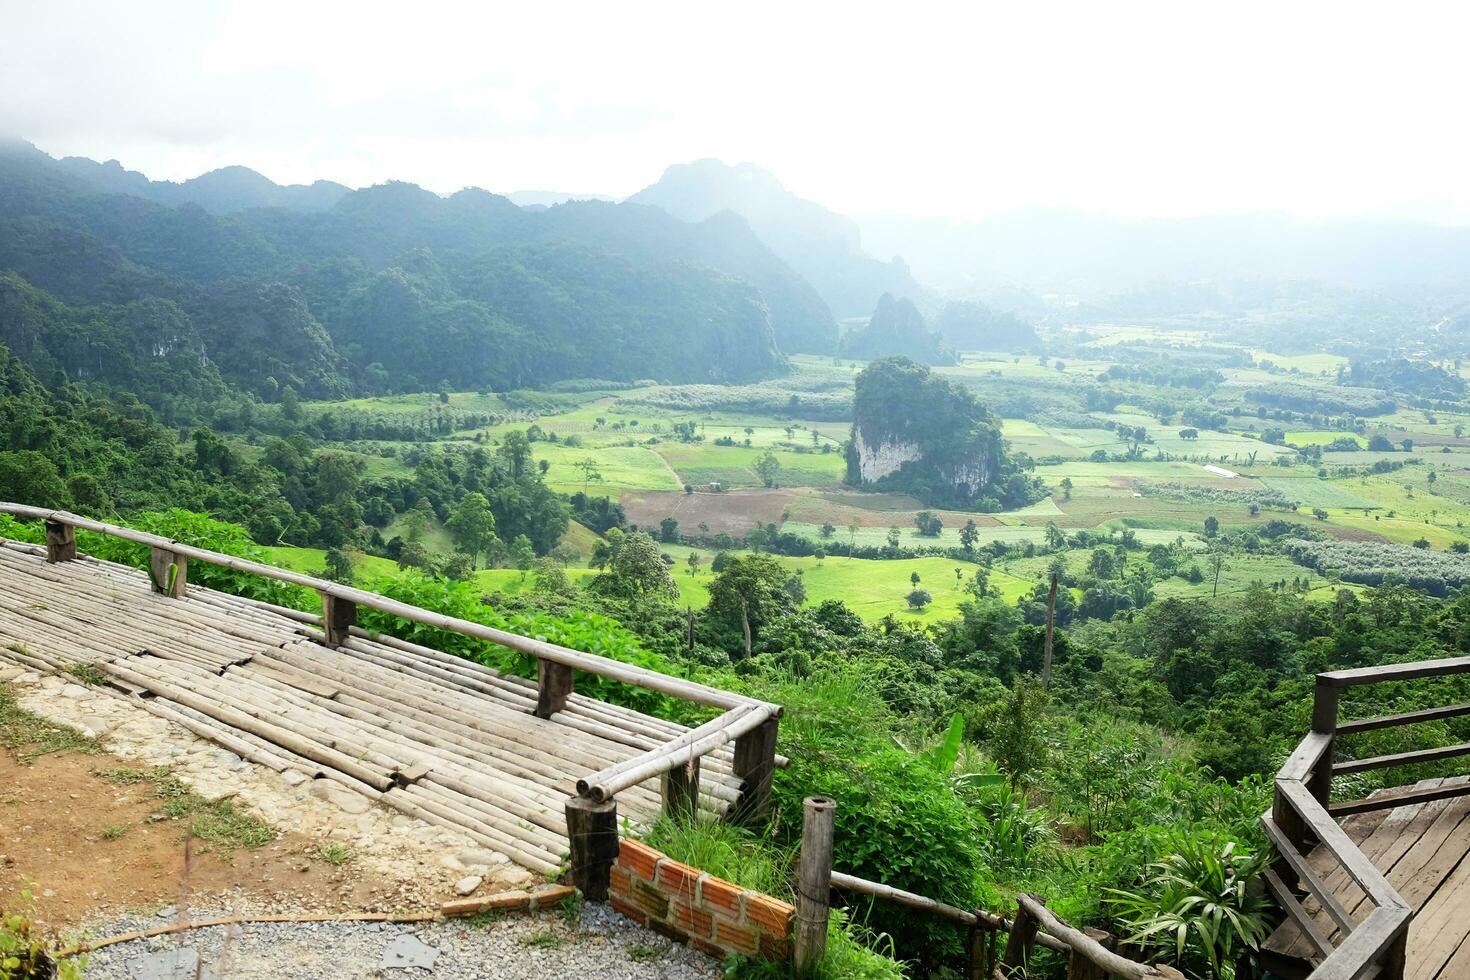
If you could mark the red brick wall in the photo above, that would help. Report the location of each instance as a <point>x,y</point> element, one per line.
<point>690,906</point>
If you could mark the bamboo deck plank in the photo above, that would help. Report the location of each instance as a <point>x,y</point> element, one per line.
<point>480,761</point>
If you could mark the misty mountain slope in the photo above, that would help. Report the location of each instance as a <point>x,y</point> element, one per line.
<point>390,288</point>
<point>825,247</point>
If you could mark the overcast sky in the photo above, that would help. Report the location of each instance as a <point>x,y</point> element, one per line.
<point>942,109</point>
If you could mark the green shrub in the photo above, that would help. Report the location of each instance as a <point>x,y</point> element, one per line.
<point>26,953</point>
<point>898,820</point>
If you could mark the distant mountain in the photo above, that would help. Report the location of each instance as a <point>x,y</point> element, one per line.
<point>1082,255</point>
<point>218,192</point>
<point>896,328</point>
<point>825,247</point>
<point>548,199</point>
<point>390,288</point>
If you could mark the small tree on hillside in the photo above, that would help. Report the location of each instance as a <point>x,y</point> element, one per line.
<point>472,524</point>
<point>768,467</point>
<point>918,599</point>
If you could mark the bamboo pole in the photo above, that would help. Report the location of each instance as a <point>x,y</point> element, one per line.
<point>814,882</point>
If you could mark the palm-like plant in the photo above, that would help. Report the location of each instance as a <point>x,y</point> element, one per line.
<point>1198,902</point>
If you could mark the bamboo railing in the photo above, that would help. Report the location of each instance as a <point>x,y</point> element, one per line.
<point>592,825</point>
<point>1303,813</point>
<point>1087,951</point>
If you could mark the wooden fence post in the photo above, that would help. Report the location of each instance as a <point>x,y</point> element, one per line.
<point>814,882</point>
<point>755,761</point>
<point>338,618</point>
<point>1395,958</point>
<point>1079,967</point>
<point>554,686</point>
<point>978,949</point>
<point>159,563</point>
<point>680,787</point>
<point>592,833</point>
<point>1022,938</point>
<point>1324,720</point>
<point>61,542</point>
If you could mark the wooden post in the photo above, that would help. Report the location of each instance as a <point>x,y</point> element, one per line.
<point>1395,958</point>
<point>745,626</point>
<point>592,833</point>
<point>690,643</point>
<point>814,882</point>
<point>681,791</point>
<point>754,762</point>
<point>1022,938</point>
<point>1079,967</point>
<point>338,617</point>
<point>1051,622</point>
<point>1284,815</point>
<point>160,561</point>
<point>61,542</point>
<point>977,950</point>
<point>554,686</point>
<point>1324,720</point>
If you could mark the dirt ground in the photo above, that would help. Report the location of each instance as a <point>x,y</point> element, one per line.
<point>53,814</point>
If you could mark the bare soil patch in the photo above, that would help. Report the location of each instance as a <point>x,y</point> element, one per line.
<point>88,844</point>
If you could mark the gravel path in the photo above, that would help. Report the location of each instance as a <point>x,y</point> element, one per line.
<point>601,944</point>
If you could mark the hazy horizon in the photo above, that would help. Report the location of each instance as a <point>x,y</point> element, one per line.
<point>1146,110</point>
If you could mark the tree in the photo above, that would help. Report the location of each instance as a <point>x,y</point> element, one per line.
<point>1189,433</point>
<point>1212,526</point>
<point>768,467</point>
<point>472,524</point>
<point>893,539</point>
<point>852,530</point>
<point>459,566</point>
<point>913,578</point>
<point>551,577</point>
<point>590,473</point>
<point>339,566</point>
<point>693,561</point>
<point>290,404</point>
<point>515,449</point>
<point>1320,514</point>
<point>929,524</point>
<point>918,599</point>
<point>522,554</point>
<point>1016,739</point>
<point>636,569</point>
<point>828,530</point>
<point>749,594</point>
<point>969,534</point>
<point>1066,486</point>
<point>668,530</point>
<point>1217,563</point>
<point>28,477</point>
<point>1055,539</point>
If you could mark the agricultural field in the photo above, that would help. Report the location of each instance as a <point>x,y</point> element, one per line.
<point>647,445</point>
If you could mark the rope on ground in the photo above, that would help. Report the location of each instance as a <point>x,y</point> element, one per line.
<point>234,920</point>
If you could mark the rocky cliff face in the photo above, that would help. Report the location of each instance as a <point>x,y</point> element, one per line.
<point>879,457</point>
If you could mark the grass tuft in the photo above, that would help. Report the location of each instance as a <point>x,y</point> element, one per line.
<point>543,940</point>
<point>30,736</point>
<point>334,854</point>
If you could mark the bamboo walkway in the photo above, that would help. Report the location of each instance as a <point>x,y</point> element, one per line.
<point>429,734</point>
<point>1422,850</point>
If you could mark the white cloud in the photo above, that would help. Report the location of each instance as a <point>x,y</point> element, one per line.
<point>956,108</point>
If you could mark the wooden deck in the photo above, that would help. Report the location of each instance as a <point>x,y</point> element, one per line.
<point>1422,851</point>
<point>432,735</point>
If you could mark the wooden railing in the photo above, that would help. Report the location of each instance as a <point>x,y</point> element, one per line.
<point>1303,814</point>
<point>1087,951</point>
<point>592,814</point>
